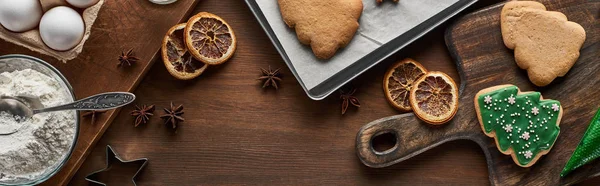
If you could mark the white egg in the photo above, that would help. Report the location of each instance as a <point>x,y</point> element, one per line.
<point>61,28</point>
<point>20,15</point>
<point>82,3</point>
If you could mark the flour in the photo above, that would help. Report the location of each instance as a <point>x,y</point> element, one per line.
<point>42,142</point>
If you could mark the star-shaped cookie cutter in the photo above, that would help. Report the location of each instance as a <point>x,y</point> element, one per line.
<point>111,156</point>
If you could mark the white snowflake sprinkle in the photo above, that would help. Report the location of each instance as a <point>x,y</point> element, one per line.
<point>535,111</point>
<point>508,128</point>
<point>487,99</point>
<point>525,135</point>
<point>528,154</point>
<point>555,107</point>
<point>511,100</point>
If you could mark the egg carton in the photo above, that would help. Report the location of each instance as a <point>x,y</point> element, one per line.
<point>31,39</point>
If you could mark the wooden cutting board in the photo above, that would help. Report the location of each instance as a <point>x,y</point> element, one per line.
<point>476,45</point>
<point>121,25</point>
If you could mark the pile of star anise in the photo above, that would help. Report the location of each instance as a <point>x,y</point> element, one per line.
<point>172,115</point>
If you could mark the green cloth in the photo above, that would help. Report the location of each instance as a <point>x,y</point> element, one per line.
<point>588,148</point>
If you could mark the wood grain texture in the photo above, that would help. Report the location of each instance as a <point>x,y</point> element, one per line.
<point>475,42</point>
<point>120,25</point>
<point>237,133</point>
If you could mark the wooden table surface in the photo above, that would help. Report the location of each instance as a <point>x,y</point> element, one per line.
<point>235,132</point>
<point>120,25</point>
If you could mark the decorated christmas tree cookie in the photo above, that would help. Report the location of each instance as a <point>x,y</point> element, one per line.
<point>523,124</point>
<point>588,148</point>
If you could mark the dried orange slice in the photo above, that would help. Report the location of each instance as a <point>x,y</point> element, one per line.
<point>176,56</point>
<point>434,98</point>
<point>209,38</point>
<point>398,81</point>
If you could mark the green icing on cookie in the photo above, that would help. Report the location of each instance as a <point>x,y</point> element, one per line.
<point>588,148</point>
<point>523,122</point>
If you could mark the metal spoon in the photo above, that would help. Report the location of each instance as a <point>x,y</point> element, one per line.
<point>24,107</point>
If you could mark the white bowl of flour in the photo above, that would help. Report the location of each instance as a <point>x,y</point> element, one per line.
<point>43,143</point>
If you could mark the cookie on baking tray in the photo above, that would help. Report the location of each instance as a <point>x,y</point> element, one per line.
<point>523,124</point>
<point>325,25</point>
<point>545,43</point>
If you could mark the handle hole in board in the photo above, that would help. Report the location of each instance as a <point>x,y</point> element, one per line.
<point>384,142</point>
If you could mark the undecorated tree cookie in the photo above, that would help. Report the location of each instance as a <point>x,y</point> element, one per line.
<point>545,43</point>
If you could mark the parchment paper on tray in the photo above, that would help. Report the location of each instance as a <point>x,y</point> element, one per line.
<point>32,40</point>
<point>379,24</point>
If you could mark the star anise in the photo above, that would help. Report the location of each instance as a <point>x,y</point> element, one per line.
<point>173,115</point>
<point>348,99</point>
<point>142,115</point>
<point>92,114</point>
<point>127,58</point>
<point>271,77</point>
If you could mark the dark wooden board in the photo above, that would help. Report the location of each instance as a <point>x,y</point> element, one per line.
<point>120,25</point>
<point>475,42</point>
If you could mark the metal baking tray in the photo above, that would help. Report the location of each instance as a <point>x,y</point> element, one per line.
<point>329,85</point>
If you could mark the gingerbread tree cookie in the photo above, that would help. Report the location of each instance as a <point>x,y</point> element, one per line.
<point>325,25</point>
<point>523,124</point>
<point>545,43</point>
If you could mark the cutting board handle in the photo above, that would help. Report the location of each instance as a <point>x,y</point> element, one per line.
<point>412,137</point>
